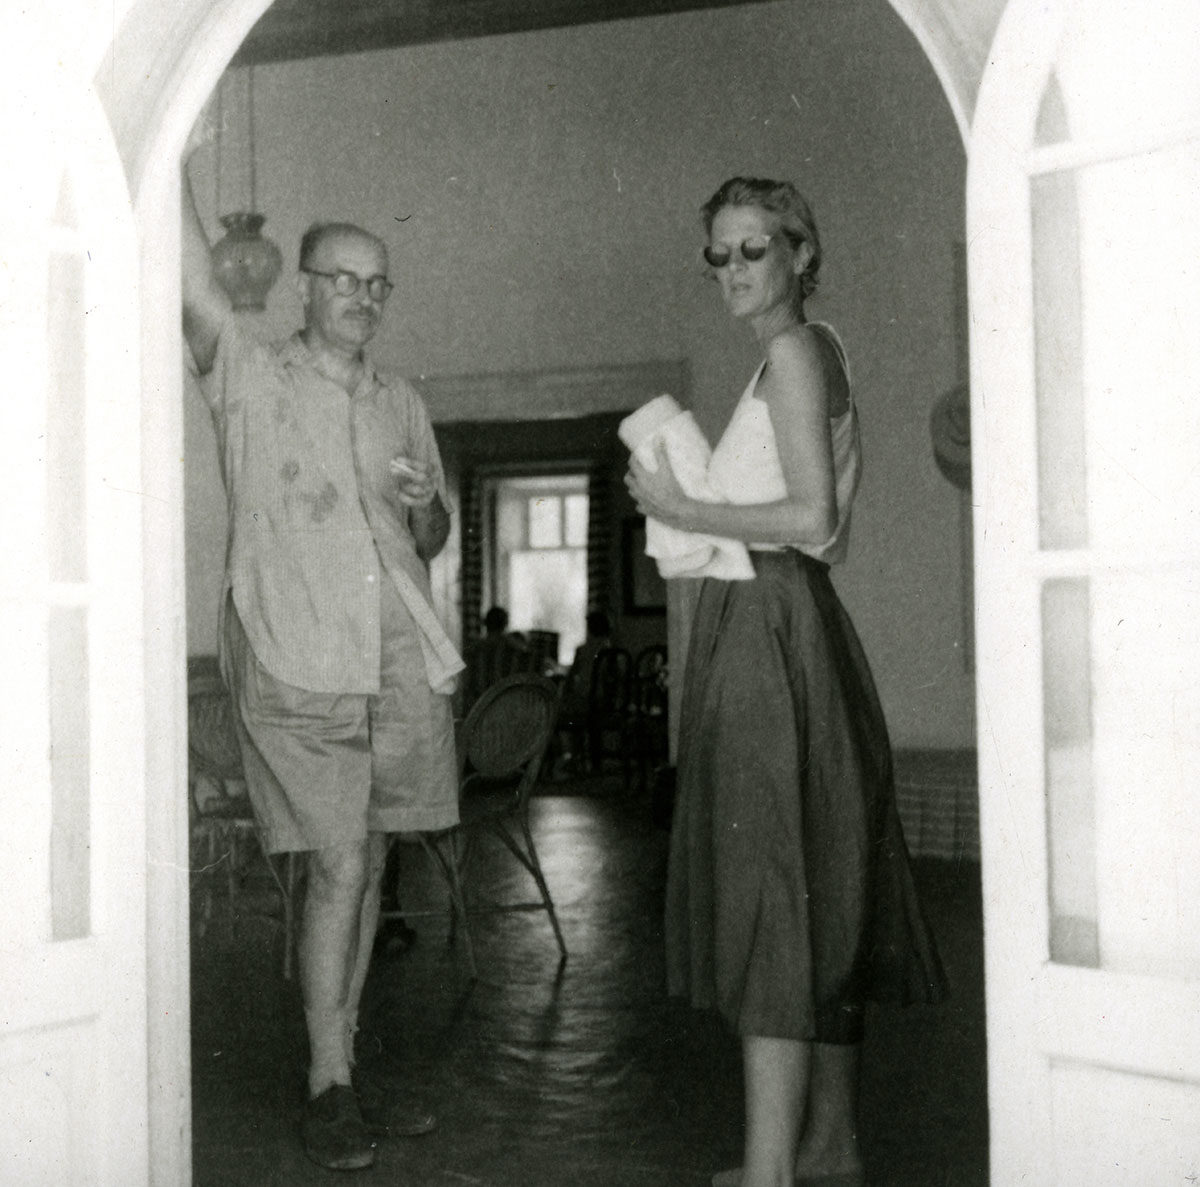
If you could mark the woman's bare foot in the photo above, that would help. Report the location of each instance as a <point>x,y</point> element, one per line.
<point>830,1167</point>
<point>848,1178</point>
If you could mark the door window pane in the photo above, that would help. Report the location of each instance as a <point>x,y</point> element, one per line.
<point>1120,692</point>
<point>545,521</point>
<point>1070,794</point>
<point>65,440</point>
<point>537,554</point>
<point>576,519</point>
<point>1139,243</point>
<point>1058,355</point>
<point>70,766</point>
<point>1145,634</point>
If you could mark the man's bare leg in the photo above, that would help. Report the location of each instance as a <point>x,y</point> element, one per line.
<point>333,904</point>
<point>377,846</point>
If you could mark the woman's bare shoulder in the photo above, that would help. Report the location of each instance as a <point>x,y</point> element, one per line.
<point>804,362</point>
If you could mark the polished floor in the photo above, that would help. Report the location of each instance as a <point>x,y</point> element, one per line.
<point>588,1077</point>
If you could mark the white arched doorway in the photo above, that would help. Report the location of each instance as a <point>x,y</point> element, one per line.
<point>155,77</point>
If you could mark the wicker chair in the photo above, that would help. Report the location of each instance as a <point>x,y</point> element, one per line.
<point>222,824</point>
<point>501,747</point>
<point>651,742</point>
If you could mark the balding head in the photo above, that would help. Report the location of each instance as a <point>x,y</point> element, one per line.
<point>316,235</point>
<point>341,265</point>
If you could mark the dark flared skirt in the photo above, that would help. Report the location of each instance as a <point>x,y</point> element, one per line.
<point>790,902</point>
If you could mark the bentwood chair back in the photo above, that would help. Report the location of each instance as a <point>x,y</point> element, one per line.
<point>501,747</point>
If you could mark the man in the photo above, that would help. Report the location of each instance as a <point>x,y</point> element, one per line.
<point>336,662</point>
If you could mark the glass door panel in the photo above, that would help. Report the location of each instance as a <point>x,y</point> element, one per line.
<point>1146,636</point>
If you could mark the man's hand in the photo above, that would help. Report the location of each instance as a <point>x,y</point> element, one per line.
<point>204,130</point>
<point>415,482</point>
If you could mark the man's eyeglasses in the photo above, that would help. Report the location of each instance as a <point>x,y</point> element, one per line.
<point>752,249</point>
<point>346,284</point>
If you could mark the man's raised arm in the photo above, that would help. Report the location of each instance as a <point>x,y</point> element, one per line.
<point>205,304</point>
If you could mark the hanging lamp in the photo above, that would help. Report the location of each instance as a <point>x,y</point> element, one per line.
<point>245,262</point>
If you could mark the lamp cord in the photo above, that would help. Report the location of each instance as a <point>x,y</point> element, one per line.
<point>250,133</point>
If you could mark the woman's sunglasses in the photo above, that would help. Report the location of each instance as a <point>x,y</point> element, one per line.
<point>752,249</point>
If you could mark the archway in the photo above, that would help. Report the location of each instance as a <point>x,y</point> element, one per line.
<point>151,168</point>
<point>154,78</point>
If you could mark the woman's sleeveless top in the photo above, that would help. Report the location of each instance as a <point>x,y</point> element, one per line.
<point>745,466</point>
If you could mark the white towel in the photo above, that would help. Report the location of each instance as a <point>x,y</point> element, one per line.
<point>679,553</point>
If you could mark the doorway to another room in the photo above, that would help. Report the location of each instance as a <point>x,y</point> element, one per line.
<point>535,562</point>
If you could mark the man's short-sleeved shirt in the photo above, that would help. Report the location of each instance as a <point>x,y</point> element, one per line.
<point>314,522</point>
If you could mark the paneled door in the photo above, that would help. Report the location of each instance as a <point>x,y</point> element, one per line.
<point>1083,217</point>
<point>73,1008</point>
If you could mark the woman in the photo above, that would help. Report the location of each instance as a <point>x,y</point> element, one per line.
<point>790,902</point>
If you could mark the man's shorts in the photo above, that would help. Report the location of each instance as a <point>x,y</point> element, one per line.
<point>323,768</point>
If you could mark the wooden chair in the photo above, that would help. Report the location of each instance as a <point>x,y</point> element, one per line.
<point>222,824</point>
<point>651,743</point>
<point>491,659</point>
<point>544,646</point>
<point>501,747</point>
<point>610,710</point>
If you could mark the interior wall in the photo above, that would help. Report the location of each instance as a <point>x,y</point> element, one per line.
<point>538,193</point>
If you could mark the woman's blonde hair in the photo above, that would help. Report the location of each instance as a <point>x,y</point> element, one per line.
<point>780,198</point>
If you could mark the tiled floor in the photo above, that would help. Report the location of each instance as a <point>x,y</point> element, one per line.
<point>591,1078</point>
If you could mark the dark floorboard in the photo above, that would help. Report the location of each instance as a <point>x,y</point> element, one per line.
<point>588,1078</point>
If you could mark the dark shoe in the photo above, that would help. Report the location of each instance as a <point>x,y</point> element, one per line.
<point>334,1134</point>
<point>388,1114</point>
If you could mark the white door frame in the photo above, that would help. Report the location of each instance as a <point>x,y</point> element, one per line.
<point>73,936</point>
<point>1062,1037</point>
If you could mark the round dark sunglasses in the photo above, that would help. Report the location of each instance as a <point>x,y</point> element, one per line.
<point>346,284</point>
<point>752,249</point>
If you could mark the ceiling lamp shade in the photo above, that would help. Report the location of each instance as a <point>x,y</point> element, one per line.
<point>245,263</point>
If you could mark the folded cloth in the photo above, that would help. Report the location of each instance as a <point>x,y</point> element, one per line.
<point>679,553</point>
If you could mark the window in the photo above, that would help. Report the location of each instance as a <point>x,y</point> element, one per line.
<point>537,554</point>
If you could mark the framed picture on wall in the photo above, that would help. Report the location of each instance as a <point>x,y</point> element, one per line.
<point>645,591</point>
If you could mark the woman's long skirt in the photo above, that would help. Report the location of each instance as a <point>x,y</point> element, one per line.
<point>790,902</point>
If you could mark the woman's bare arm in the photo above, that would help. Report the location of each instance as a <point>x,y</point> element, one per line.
<point>796,388</point>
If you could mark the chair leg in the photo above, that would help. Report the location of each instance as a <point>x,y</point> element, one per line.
<point>450,867</point>
<point>289,913</point>
<point>286,885</point>
<point>230,837</point>
<point>207,874</point>
<point>529,859</point>
<point>460,904</point>
<point>543,889</point>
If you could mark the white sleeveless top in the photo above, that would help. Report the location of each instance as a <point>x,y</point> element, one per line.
<point>745,468</point>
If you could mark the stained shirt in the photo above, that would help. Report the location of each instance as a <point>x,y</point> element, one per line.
<point>745,466</point>
<point>314,522</point>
